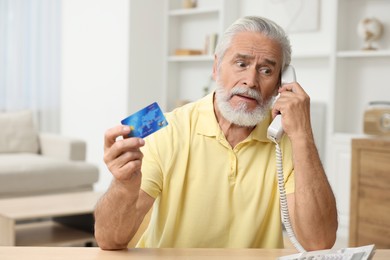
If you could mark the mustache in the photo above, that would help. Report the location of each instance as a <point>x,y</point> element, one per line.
<point>245,91</point>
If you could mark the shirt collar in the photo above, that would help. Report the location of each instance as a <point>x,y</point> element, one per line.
<point>208,125</point>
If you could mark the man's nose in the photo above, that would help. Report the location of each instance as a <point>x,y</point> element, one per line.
<point>250,77</point>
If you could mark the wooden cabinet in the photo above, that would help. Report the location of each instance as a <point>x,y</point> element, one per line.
<point>370,193</point>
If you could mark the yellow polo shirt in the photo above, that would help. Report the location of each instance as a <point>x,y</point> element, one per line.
<point>207,193</point>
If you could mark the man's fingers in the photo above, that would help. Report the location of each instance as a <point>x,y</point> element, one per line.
<point>125,164</point>
<point>122,146</point>
<point>113,133</point>
<point>127,157</point>
<point>129,169</point>
<point>293,87</point>
<point>291,97</point>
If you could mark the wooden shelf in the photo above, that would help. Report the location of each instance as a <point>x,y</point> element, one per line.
<point>190,58</point>
<point>49,233</point>
<point>363,54</point>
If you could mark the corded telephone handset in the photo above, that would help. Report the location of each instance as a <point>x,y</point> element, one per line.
<point>275,130</point>
<point>275,133</point>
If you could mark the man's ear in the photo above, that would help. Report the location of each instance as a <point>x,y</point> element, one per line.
<point>215,68</point>
<point>278,84</point>
<point>280,79</point>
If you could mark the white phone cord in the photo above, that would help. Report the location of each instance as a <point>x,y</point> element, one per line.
<point>283,200</point>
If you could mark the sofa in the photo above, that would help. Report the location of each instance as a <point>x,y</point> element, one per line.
<point>33,163</point>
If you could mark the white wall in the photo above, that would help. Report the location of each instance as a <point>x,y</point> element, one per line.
<point>94,72</point>
<point>146,53</point>
<point>111,67</point>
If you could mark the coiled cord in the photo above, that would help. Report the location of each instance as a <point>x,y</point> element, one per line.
<point>283,199</point>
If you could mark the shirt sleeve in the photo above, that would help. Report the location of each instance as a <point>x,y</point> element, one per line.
<point>290,183</point>
<point>152,176</point>
<point>288,166</point>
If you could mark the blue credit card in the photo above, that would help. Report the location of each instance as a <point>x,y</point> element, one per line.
<point>146,121</point>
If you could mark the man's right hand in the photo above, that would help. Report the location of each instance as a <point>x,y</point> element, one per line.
<point>120,211</point>
<point>123,156</point>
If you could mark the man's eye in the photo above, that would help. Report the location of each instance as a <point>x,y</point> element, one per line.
<point>265,71</point>
<point>241,64</point>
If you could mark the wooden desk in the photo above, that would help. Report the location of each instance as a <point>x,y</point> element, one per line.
<point>13,211</point>
<point>75,253</point>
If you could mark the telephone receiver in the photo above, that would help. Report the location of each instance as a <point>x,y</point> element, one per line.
<point>275,129</point>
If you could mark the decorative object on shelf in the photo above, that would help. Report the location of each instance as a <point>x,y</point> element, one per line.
<point>377,118</point>
<point>370,30</point>
<point>189,3</point>
<point>211,43</point>
<point>180,52</point>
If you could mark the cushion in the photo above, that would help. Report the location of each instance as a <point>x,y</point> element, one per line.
<point>34,173</point>
<point>17,132</point>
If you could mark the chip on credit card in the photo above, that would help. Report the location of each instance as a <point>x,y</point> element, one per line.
<point>146,121</point>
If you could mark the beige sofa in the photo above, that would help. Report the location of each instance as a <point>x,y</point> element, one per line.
<point>33,163</point>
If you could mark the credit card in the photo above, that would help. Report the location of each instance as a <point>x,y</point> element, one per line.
<point>146,121</point>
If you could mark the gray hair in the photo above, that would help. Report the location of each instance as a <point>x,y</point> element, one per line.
<point>255,24</point>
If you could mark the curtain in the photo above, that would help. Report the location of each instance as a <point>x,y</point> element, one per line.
<point>30,42</point>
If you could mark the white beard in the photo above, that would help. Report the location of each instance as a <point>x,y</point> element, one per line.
<point>241,116</point>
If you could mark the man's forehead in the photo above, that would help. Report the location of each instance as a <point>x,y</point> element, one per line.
<point>252,57</point>
<point>249,44</point>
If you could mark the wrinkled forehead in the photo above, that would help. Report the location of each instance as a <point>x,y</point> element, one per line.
<point>255,45</point>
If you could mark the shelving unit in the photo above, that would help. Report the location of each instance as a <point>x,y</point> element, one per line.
<point>358,77</point>
<point>358,74</point>
<point>186,76</point>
